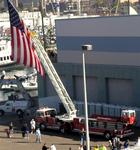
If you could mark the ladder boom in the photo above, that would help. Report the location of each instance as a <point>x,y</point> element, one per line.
<point>56,81</point>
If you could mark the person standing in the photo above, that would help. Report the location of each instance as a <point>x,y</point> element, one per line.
<point>126,144</point>
<point>80,147</point>
<point>82,140</point>
<point>38,135</point>
<point>25,130</point>
<point>102,147</point>
<point>44,147</point>
<point>110,145</point>
<point>21,117</point>
<point>52,147</point>
<point>11,129</point>
<point>33,126</point>
<point>96,147</point>
<point>115,143</point>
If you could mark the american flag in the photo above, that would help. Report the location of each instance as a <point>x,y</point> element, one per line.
<point>23,50</point>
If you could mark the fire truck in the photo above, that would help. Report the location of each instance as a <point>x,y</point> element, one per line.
<point>47,118</point>
<point>108,126</point>
<point>127,116</point>
<point>44,116</point>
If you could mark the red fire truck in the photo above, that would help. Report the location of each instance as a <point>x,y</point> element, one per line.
<point>45,118</point>
<point>48,118</point>
<point>107,125</point>
<point>127,116</point>
<point>99,125</point>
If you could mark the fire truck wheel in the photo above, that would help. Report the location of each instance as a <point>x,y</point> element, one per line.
<point>65,128</point>
<point>42,127</point>
<point>19,112</point>
<point>1,112</point>
<point>107,135</point>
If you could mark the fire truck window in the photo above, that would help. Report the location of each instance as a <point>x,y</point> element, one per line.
<point>116,127</point>
<point>97,124</point>
<point>39,114</point>
<point>7,104</point>
<point>89,123</point>
<point>52,113</point>
<point>119,126</point>
<point>101,124</point>
<point>46,113</point>
<point>110,126</point>
<point>124,125</point>
<point>132,115</point>
<point>92,123</point>
<point>105,124</point>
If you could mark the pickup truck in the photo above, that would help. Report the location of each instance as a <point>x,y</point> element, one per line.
<point>18,107</point>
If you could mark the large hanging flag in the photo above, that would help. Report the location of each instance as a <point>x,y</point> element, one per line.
<point>23,50</point>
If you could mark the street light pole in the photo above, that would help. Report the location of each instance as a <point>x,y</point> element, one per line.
<point>86,48</point>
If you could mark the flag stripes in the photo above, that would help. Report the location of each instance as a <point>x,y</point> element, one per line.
<point>23,50</point>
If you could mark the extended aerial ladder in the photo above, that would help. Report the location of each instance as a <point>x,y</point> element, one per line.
<point>56,81</point>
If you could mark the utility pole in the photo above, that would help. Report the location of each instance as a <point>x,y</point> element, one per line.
<point>43,12</point>
<point>128,7</point>
<point>16,3</point>
<point>79,7</point>
<point>117,6</point>
<point>33,13</point>
<point>58,7</point>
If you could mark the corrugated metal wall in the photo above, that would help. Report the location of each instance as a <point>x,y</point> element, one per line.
<point>104,109</point>
<point>119,90</point>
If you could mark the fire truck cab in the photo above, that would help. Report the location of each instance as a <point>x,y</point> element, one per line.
<point>102,127</point>
<point>46,118</point>
<point>128,116</point>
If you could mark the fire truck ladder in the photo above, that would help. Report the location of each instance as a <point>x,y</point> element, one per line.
<point>19,86</point>
<point>56,81</point>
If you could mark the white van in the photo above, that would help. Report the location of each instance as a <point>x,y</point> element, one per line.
<point>14,107</point>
